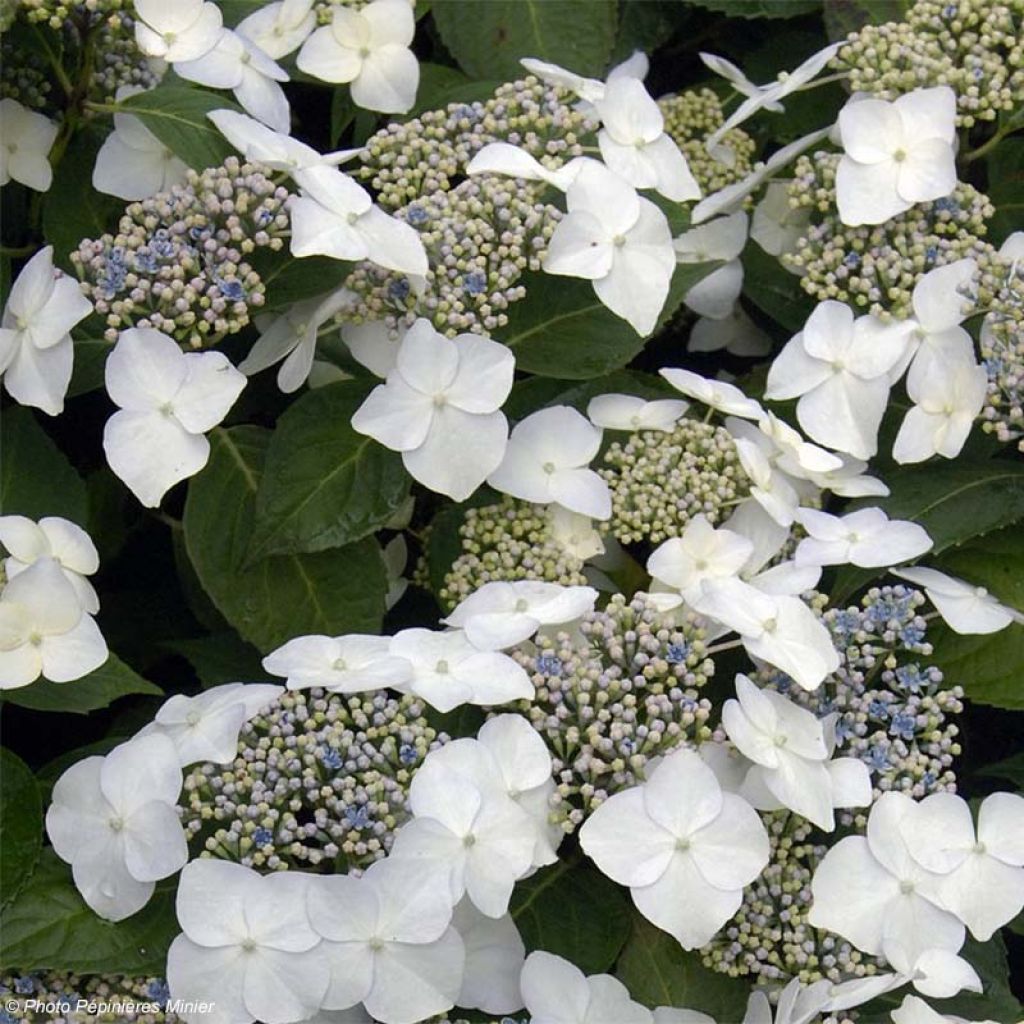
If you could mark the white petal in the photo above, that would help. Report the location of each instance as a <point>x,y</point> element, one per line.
<point>200,974</point>
<point>1001,827</point>
<point>73,654</point>
<point>154,842</point>
<point>388,80</point>
<point>396,415</point>
<point>39,377</point>
<point>867,193</point>
<point>414,982</point>
<point>392,243</point>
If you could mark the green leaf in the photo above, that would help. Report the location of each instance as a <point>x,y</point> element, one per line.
<point>48,775</point>
<point>561,329</point>
<point>659,972</point>
<point>489,39</point>
<point>646,25</point>
<point>759,8</point>
<point>176,115</point>
<point>90,365</point>
<point>98,689</point>
<point>988,667</point>
<point>333,592</point>
<point>72,208</point>
<point>343,112</point>
<point>1011,768</point>
<point>572,911</point>
<point>49,927</point>
<point>324,485</point>
<point>441,85</point>
<point>774,290</point>
<point>952,501</point>
<point>1006,186</point>
<point>290,279</point>
<point>36,479</point>
<point>21,825</point>
<point>222,658</point>
<point>845,16</point>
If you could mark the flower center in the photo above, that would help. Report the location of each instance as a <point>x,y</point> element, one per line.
<point>249,945</point>
<point>980,592</point>
<point>339,665</point>
<point>116,824</point>
<point>35,639</point>
<point>440,400</point>
<point>619,241</point>
<point>521,605</point>
<point>900,155</point>
<point>441,668</point>
<point>549,467</point>
<point>352,218</point>
<point>979,847</point>
<point>376,944</point>
<point>469,839</point>
<point>906,887</point>
<point>193,718</point>
<point>167,409</point>
<point>364,52</point>
<point>780,740</point>
<point>682,845</point>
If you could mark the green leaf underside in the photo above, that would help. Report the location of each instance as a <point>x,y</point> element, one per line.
<point>98,689</point>
<point>21,825</point>
<point>333,592</point>
<point>49,927</point>
<point>565,331</point>
<point>324,485</point>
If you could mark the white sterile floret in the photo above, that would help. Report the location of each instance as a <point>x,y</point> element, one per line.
<point>181,31</point>
<point>132,162</point>
<point>557,992</point>
<point>721,239</point>
<point>574,532</point>
<point>25,140</point>
<point>334,216</point>
<point>65,542</point>
<point>238,64</point>
<point>868,538</point>
<point>466,828</point>
<point>964,607</point>
<point>447,670</point>
<point>206,727</point>
<point>440,407</point>
<point>769,487</point>
<point>36,351</point>
<point>281,27</point>
<point>628,412</point>
<point>501,614</point>
<point>684,848</point>
<point>872,891</point>
<point>980,872</point>
<point>369,49</point>
<point>777,225</point>
<point>113,819</point>
<point>916,1011</point>
<point>616,240</point>
<point>719,395</point>
<point>341,664</point>
<point>168,400</point>
<point>736,333</point>
<point>700,553</point>
<point>840,369</point>
<point>848,480</point>
<point>798,1004</point>
<point>389,942</point>
<point>786,448</point>
<point>548,460</point>
<point>896,154</point>
<point>292,337</point>
<point>737,79</point>
<point>791,751</point>
<point>634,143</point>
<point>494,960</point>
<point>247,945</point>
<point>504,158</point>
<point>43,629</point>
<point>396,557</point>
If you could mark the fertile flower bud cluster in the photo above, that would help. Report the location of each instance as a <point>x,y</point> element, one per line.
<point>124,997</point>
<point>422,156</point>
<point>769,939</point>
<point>324,9</point>
<point>58,13</point>
<point>875,267</point>
<point>973,46</point>
<point>319,778</point>
<point>120,62</point>
<point>512,540</point>
<point>23,76</point>
<point>690,117</point>
<point>1002,353</point>
<point>180,260</point>
<point>659,480</point>
<point>480,238</point>
<point>623,691</point>
<point>893,711</point>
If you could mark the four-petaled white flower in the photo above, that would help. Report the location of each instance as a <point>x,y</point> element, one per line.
<point>440,407</point>
<point>798,1004</point>
<point>25,140</point>
<point>720,395</point>
<point>113,819</point>
<point>616,240</point>
<point>700,553</point>
<point>872,891</point>
<point>292,337</point>
<point>247,945</point>
<point>574,532</point>
<point>36,351</point>
<point>342,664</point>
<point>896,154</point>
<point>684,848</point>
<point>168,400</point>
<point>132,162</point>
<point>447,670</point>
<point>182,31</point>
<point>635,145</point>
<point>281,27</point>
<point>840,369</point>
<point>769,487</point>
<point>557,992</point>
<point>52,537</point>
<point>868,538</point>
<point>721,239</point>
<point>369,49</point>
<point>965,608</point>
<point>43,629</point>
<point>791,750</point>
<point>336,217</point>
<point>777,225</point>
<point>627,412</point>
<point>502,613</point>
<point>206,727</point>
<point>548,459</point>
